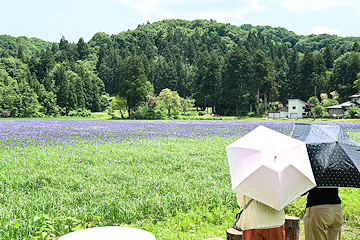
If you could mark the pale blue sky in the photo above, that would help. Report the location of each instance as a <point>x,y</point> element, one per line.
<point>51,19</point>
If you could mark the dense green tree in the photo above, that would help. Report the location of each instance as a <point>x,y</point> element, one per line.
<point>46,64</point>
<point>319,109</point>
<point>171,80</point>
<point>20,54</point>
<point>356,47</point>
<point>207,80</point>
<point>14,67</point>
<point>133,83</point>
<point>54,48</point>
<point>234,96</point>
<point>200,81</point>
<point>64,44</point>
<point>186,104</point>
<point>99,39</point>
<point>82,49</point>
<point>48,102</point>
<point>185,78</point>
<point>263,76</point>
<point>46,99</point>
<point>281,78</point>
<point>28,105</point>
<point>307,77</point>
<point>170,100</point>
<point>294,74</point>
<point>91,89</point>
<point>159,74</point>
<point>109,68</point>
<point>346,69</point>
<point>76,91</point>
<point>67,51</point>
<point>4,55</point>
<point>9,95</point>
<point>117,103</point>
<point>62,85</point>
<point>329,56</point>
<point>321,80</point>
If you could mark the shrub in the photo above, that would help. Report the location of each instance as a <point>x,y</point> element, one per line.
<point>104,102</point>
<point>250,114</point>
<point>144,112</point>
<point>80,113</point>
<point>353,112</point>
<point>5,113</point>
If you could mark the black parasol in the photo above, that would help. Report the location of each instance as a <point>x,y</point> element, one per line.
<point>334,156</point>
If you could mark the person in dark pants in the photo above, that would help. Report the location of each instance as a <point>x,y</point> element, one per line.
<point>323,216</point>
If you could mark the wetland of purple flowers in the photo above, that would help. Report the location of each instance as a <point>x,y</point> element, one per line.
<point>42,132</point>
<point>17,136</point>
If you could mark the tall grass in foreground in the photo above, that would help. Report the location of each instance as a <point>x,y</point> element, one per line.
<point>49,191</point>
<point>176,186</point>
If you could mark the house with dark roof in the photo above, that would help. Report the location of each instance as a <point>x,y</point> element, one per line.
<point>342,108</point>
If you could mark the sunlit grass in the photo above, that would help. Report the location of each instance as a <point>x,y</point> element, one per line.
<point>113,184</point>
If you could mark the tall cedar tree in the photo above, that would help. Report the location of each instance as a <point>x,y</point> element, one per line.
<point>133,83</point>
<point>214,78</point>
<point>207,80</point>
<point>20,54</point>
<point>281,78</point>
<point>108,68</point>
<point>82,49</point>
<point>329,56</point>
<point>46,64</point>
<point>356,47</point>
<point>91,89</point>
<point>236,79</point>
<point>321,81</point>
<point>184,83</point>
<point>200,81</point>
<point>75,92</point>
<point>263,76</point>
<point>307,78</point>
<point>62,86</point>
<point>294,73</point>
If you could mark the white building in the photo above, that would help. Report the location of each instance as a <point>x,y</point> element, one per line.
<point>281,113</point>
<point>294,110</point>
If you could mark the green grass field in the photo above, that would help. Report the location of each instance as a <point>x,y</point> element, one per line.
<point>176,188</point>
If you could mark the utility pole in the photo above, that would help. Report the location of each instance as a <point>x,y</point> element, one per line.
<point>315,104</point>
<point>265,102</point>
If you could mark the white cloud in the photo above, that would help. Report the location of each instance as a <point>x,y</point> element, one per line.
<point>322,29</point>
<point>302,6</point>
<point>220,10</point>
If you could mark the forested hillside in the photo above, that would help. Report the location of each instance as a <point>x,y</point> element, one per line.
<point>229,68</point>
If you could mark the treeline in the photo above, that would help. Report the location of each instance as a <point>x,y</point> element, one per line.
<point>234,70</point>
<point>48,83</point>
